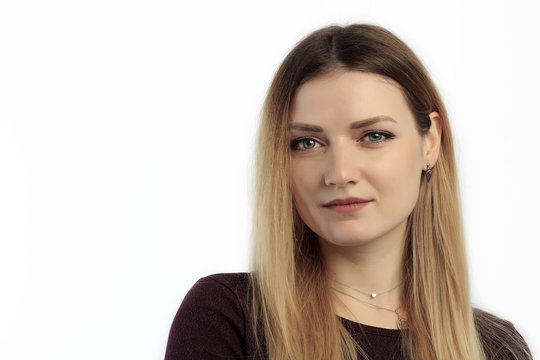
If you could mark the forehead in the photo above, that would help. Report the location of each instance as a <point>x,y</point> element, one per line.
<point>347,96</point>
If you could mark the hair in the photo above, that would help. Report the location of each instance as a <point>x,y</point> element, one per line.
<point>290,300</point>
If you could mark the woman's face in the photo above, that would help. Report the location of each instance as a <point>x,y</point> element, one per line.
<point>353,135</point>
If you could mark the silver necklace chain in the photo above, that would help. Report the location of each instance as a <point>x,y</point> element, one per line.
<point>372,295</point>
<point>401,322</point>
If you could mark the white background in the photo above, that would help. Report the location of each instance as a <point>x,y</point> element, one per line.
<point>126,134</point>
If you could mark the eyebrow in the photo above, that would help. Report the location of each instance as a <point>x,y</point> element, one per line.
<point>355,125</point>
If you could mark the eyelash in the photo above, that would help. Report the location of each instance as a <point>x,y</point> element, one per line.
<point>387,135</point>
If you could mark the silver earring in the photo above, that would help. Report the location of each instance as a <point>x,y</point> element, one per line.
<point>428,173</point>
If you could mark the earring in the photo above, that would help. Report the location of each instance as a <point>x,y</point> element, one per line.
<point>428,173</point>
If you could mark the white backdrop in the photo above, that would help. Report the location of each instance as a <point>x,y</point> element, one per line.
<point>126,134</point>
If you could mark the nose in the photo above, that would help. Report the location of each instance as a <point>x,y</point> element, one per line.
<point>341,166</point>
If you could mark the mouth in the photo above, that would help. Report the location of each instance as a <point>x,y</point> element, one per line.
<point>346,206</point>
<point>347,201</point>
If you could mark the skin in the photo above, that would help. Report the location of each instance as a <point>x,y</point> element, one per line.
<point>382,162</point>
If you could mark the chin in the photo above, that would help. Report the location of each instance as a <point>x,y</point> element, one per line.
<point>346,237</point>
<point>348,242</point>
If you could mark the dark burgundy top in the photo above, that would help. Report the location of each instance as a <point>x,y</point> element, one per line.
<point>213,322</point>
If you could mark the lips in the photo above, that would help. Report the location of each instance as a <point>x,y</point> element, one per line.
<point>347,201</point>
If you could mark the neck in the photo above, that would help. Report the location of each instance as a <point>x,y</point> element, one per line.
<point>372,267</point>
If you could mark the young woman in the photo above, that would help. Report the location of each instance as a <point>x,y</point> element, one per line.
<point>359,249</point>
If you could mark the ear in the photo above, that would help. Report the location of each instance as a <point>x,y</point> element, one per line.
<point>432,140</point>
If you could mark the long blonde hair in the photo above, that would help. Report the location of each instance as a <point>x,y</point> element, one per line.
<point>291,305</point>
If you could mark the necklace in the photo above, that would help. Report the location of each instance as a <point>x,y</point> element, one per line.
<point>371,295</point>
<point>401,322</point>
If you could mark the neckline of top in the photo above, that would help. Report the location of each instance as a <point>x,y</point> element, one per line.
<point>370,329</point>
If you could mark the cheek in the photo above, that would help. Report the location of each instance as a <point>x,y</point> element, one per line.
<point>303,186</point>
<point>399,175</point>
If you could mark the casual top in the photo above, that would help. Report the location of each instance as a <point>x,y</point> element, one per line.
<point>214,322</point>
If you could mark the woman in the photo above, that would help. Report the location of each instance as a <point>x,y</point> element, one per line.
<point>359,249</point>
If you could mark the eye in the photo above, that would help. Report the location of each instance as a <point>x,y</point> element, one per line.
<point>304,144</point>
<point>378,136</point>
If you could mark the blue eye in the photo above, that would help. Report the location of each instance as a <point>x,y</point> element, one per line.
<point>309,143</point>
<point>373,138</point>
<point>378,136</point>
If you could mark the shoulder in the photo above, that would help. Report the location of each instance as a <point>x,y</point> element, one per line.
<point>231,283</point>
<point>499,337</point>
<point>217,290</point>
<point>215,294</point>
<point>213,319</point>
<point>225,291</point>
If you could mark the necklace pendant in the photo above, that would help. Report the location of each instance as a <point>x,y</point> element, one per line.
<point>373,295</point>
